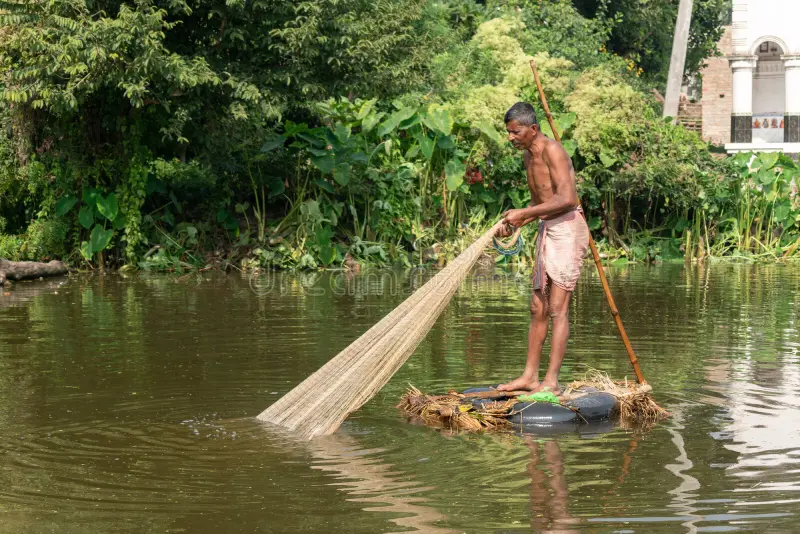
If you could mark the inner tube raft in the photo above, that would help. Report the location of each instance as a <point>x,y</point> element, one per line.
<point>587,406</point>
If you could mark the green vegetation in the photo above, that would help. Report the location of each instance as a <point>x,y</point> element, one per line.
<point>171,136</point>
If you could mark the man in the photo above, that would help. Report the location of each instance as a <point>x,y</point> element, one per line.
<point>560,248</point>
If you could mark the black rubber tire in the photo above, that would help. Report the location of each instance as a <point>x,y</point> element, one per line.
<point>591,408</point>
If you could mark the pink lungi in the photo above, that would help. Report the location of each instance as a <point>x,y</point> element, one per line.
<point>560,250</point>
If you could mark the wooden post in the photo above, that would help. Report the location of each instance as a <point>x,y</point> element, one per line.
<point>597,261</point>
<point>688,247</point>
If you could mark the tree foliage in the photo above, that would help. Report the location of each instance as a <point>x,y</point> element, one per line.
<point>643,31</point>
<point>170,133</point>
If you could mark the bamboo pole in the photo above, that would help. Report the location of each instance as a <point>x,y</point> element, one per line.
<point>597,261</point>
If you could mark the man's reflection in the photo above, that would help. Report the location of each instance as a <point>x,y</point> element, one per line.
<point>549,491</point>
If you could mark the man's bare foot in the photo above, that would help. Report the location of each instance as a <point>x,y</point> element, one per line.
<point>520,384</point>
<point>547,386</point>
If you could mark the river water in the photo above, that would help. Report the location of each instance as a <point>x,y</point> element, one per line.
<point>127,404</point>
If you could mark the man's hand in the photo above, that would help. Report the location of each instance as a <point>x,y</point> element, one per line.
<point>504,231</point>
<point>517,218</point>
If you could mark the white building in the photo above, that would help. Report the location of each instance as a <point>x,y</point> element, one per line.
<point>762,90</point>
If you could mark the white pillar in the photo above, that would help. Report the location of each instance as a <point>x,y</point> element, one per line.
<point>791,119</point>
<point>742,115</point>
<point>739,27</point>
<point>743,68</point>
<point>678,60</point>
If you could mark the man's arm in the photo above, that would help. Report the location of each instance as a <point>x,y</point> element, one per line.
<point>565,196</point>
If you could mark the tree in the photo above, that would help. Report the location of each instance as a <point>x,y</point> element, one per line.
<point>643,31</point>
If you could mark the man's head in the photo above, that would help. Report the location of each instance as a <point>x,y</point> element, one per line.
<point>521,125</point>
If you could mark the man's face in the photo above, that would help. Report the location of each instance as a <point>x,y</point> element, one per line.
<point>521,136</point>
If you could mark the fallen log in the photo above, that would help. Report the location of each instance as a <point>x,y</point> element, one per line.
<point>23,270</point>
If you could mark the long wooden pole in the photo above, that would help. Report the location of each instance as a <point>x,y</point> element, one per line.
<point>597,261</point>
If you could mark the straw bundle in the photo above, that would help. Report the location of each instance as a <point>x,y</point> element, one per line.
<point>637,408</point>
<point>454,412</point>
<point>319,404</point>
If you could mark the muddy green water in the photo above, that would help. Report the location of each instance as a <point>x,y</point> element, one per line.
<point>128,404</point>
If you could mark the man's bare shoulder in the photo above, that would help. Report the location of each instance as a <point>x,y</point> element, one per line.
<point>554,149</point>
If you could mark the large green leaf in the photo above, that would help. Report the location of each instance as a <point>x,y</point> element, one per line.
<point>454,173</point>
<point>488,130</point>
<point>322,184</point>
<point>594,223</point>
<point>342,174</point>
<point>786,161</point>
<point>565,121</point>
<point>394,120</point>
<point>766,176</point>
<point>120,222</point>
<point>64,204</point>
<point>426,145</point>
<point>370,121</point>
<point>323,163</point>
<point>366,107</point>
<point>89,194</point>
<point>323,235</point>
<point>86,250</point>
<point>446,142</point>
<point>272,143</point>
<point>312,138</point>
<point>412,152</point>
<point>570,146</point>
<point>311,209</point>
<point>276,187</point>
<point>100,238</point>
<point>409,122</point>
<point>107,206</point>
<point>742,159</point>
<point>439,120</point>
<point>86,216</point>
<point>342,132</point>
<point>783,210</point>
<point>327,254</point>
<point>767,160</point>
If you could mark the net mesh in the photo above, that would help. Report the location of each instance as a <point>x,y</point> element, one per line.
<point>319,404</point>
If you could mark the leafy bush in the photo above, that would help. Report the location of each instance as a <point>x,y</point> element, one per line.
<point>10,246</point>
<point>301,134</point>
<point>45,240</point>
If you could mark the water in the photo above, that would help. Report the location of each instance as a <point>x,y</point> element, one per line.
<point>127,404</point>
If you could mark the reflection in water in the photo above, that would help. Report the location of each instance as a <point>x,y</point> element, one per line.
<point>369,480</point>
<point>761,423</point>
<point>684,502</point>
<point>549,491</point>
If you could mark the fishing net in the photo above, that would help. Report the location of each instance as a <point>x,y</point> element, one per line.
<point>319,404</point>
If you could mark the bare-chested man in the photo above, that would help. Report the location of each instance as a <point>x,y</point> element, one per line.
<point>560,248</point>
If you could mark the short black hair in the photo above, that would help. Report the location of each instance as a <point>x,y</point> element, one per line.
<point>523,113</point>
